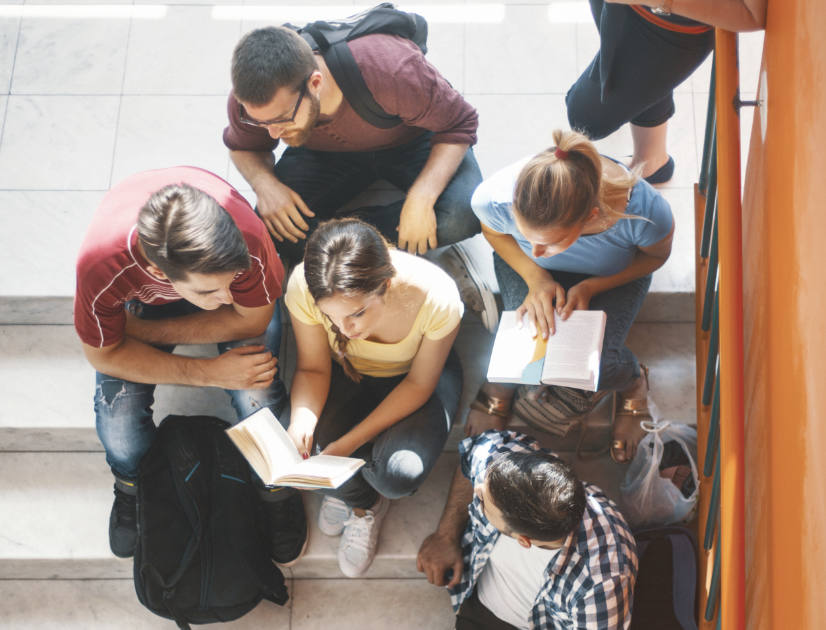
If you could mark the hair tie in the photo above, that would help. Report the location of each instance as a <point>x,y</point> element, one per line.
<point>559,154</point>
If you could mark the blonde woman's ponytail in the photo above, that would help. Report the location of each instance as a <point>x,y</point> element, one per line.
<point>561,185</point>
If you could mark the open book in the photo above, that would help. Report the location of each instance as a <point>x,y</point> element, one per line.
<point>570,357</point>
<point>273,455</point>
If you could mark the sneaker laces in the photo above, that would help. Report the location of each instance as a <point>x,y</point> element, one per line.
<point>335,510</point>
<point>358,530</point>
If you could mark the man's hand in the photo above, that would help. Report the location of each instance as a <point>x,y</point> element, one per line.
<point>478,422</point>
<point>417,225</point>
<point>281,209</point>
<point>438,555</point>
<point>247,367</point>
<point>342,447</point>
<point>539,303</point>
<point>578,299</point>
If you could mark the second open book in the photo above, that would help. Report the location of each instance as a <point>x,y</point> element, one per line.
<point>273,455</point>
<point>570,357</point>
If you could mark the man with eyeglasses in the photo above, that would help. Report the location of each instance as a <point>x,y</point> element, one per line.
<point>522,543</point>
<point>283,91</point>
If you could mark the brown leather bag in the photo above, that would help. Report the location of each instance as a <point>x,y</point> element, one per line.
<point>575,419</point>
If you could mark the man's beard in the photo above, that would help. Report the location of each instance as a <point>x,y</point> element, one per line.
<point>302,134</point>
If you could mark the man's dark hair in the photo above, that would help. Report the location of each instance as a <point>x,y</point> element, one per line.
<point>183,230</point>
<point>267,59</point>
<point>537,493</point>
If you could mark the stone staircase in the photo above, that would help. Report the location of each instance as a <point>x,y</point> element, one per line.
<point>55,493</point>
<point>71,127</point>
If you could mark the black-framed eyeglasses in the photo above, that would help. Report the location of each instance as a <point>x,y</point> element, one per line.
<point>248,120</point>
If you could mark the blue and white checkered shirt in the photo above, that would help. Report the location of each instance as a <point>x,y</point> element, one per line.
<point>589,583</point>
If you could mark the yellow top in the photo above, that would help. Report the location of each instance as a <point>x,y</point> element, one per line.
<point>440,313</point>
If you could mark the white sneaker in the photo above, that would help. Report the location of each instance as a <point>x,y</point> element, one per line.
<point>332,516</point>
<point>474,291</point>
<point>360,539</point>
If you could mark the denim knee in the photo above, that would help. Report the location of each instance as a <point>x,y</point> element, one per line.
<point>456,223</point>
<point>618,368</point>
<point>399,476</point>
<point>587,114</point>
<point>455,218</point>
<point>248,401</point>
<point>512,287</point>
<point>123,419</point>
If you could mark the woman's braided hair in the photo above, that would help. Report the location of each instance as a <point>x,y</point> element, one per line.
<point>348,257</point>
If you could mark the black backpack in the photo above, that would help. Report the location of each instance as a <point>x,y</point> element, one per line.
<point>664,596</point>
<point>200,557</point>
<point>330,39</point>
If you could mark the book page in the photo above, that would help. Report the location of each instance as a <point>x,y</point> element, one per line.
<point>574,350</point>
<point>324,471</point>
<point>517,355</point>
<point>251,451</point>
<point>272,444</point>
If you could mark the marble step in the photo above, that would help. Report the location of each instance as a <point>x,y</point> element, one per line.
<point>673,306</point>
<point>363,604</point>
<point>54,515</point>
<point>47,385</point>
<point>54,511</point>
<point>38,290</point>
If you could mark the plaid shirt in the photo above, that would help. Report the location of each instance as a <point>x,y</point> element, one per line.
<point>589,583</point>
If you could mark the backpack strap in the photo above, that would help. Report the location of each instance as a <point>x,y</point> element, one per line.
<point>230,463</point>
<point>178,449</point>
<point>345,71</point>
<point>330,40</point>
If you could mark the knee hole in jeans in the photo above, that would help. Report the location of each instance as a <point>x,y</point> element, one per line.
<point>400,476</point>
<point>109,391</point>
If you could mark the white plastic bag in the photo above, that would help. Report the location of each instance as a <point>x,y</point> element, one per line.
<point>649,499</point>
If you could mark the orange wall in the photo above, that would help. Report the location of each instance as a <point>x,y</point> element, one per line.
<point>784,245</point>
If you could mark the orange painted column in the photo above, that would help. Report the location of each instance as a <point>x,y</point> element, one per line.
<point>784,280</point>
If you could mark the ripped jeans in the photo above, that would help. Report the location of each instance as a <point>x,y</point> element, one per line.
<point>123,409</point>
<point>400,458</point>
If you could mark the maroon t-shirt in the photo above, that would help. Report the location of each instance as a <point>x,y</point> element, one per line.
<point>402,82</point>
<point>112,271</point>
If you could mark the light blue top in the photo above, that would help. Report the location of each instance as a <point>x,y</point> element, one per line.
<point>602,254</point>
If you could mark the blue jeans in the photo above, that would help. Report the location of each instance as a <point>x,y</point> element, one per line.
<point>326,180</point>
<point>401,457</point>
<point>123,409</point>
<point>634,73</point>
<point>618,367</point>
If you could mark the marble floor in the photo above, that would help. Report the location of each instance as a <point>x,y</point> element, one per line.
<point>91,92</point>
